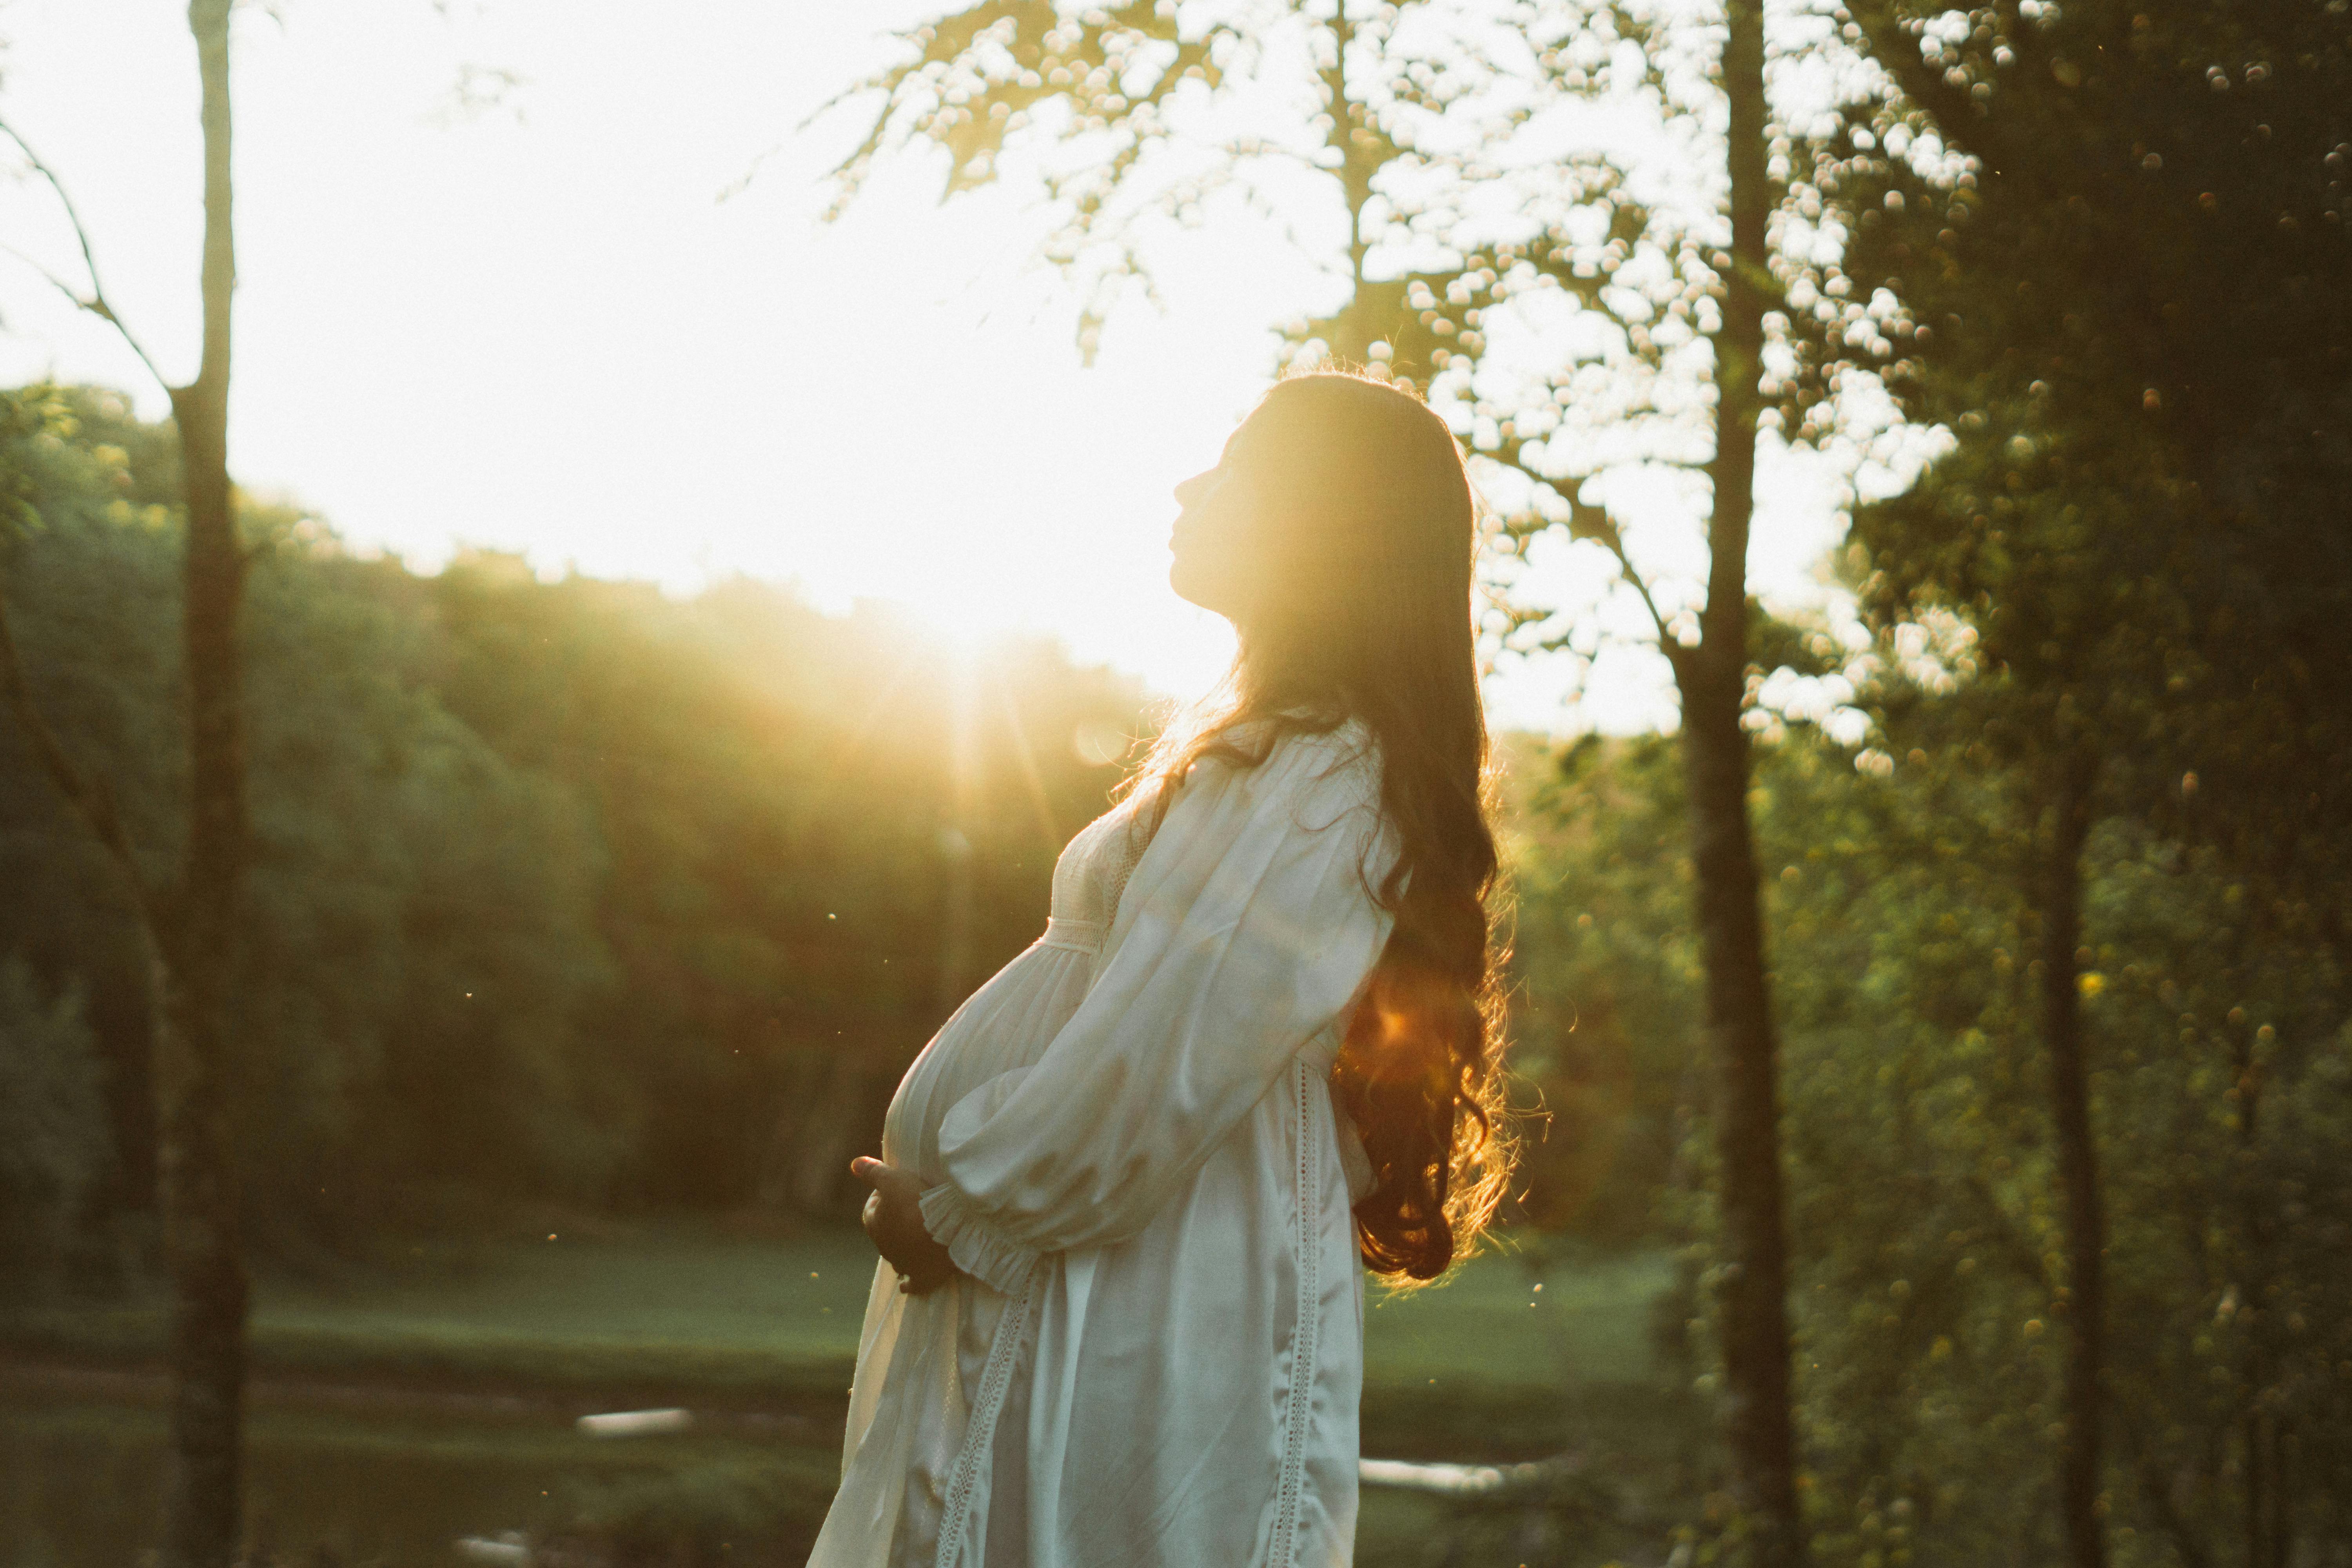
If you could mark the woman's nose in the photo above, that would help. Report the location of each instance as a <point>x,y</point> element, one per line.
<point>1190,490</point>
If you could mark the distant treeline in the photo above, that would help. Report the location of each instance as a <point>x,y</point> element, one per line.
<point>561,889</point>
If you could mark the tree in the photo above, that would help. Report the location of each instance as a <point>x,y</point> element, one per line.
<point>1926,1219</point>
<point>1117,116</point>
<point>1712,681</point>
<point>191,927</point>
<point>2121,237</point>
<point>1673,293</point>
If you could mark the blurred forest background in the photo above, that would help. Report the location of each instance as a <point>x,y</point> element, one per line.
<point>562,890</point>
<point>584,928</point>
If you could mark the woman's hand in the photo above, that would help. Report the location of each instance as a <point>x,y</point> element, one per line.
<point>893,1219</point>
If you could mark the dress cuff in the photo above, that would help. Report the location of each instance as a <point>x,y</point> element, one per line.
<point>979,1248</point>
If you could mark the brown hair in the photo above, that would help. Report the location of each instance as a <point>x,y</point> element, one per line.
<point>1373,532</point>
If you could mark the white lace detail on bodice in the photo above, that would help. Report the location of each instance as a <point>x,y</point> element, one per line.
<point>1092,873</point>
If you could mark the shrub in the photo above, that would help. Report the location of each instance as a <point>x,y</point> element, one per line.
<point>54,1144</point>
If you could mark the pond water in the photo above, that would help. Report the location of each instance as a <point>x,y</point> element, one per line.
<point>79,1487</point>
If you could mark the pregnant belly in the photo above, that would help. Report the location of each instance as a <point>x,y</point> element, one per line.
<point>1003,1026</point>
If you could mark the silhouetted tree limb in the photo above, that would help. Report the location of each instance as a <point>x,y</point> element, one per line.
<point>95,301</point>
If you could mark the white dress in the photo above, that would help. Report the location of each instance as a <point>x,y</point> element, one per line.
<point>1152,1355</point>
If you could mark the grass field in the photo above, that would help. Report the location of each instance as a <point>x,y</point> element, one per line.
<point>1488,1365</point>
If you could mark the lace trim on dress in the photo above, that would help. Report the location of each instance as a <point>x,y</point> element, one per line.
<point>1134,838</point>
<point>981,1433</point>
<point>1285,1545</point>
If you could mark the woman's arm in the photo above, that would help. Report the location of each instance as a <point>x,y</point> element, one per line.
<point>1246,931</point>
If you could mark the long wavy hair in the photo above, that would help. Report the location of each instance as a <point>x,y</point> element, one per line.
<point>1370,535</point>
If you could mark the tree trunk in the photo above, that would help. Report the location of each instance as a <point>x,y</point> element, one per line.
<point>1758,1427</point>
<point>189,936</point>
<point>202,1487</point>
<point>202,1490</point>
<point>2257,1501</point>
<point>2068,808</point>
<point>2268,1512</point>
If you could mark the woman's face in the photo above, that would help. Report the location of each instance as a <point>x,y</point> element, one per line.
<point>1218,541</point>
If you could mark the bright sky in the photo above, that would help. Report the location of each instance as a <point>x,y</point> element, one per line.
<point>536,326</point>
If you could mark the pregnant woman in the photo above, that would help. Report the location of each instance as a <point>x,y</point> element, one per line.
<point>1126,1193</point>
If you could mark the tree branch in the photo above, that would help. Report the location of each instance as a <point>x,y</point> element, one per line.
<point>1586,520</point>
<point>1896,48</point>
<point>73,214</point>
<point>1594,522</point>
<point>96,302</point>
<point>94,307</point>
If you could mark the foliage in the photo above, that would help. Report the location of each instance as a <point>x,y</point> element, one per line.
<point>776,791</point>
<point>1604,1015</point>
<point>561,890</point>
<point>2112,245</point>
<point>2125,241</point>
<point>1126,87</point>
<point>368,803</point>
<point>1929,1288</point>
<point>2115,248</point>
<point>1935,1303</point>
<point>54,1144</point>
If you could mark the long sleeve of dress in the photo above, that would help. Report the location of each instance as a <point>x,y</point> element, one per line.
<point>1246,931</point>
